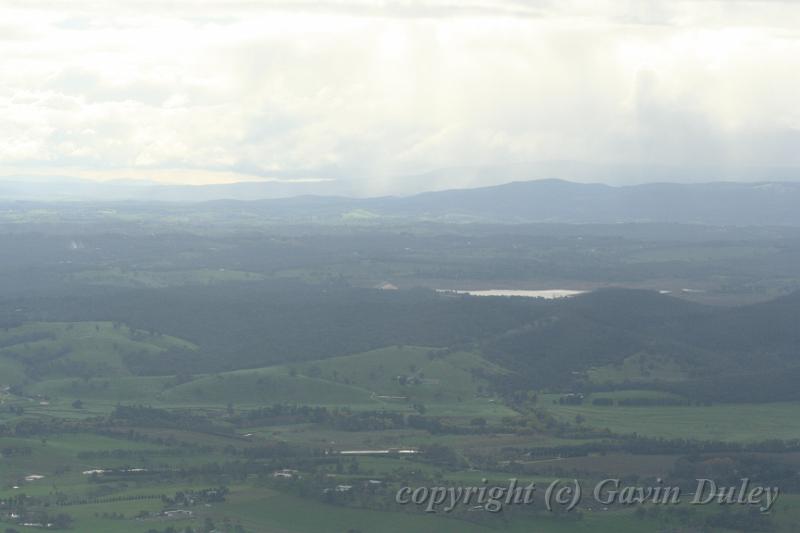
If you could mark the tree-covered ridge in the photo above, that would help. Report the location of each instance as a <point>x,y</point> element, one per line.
<point>588,342</point>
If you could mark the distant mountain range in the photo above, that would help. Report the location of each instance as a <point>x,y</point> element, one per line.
<point>561,201</point>
<point>737,204</point>
<point>716,203</point>
<point>72,189</point>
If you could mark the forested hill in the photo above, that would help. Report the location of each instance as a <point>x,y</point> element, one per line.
<point>604,337</point>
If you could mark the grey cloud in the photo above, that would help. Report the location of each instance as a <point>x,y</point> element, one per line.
<point>283,89</point>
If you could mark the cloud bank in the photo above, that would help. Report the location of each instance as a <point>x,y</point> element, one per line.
<point>365,91</point>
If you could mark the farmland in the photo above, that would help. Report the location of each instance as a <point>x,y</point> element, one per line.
<point>219,420</point>
<point>291,382</point>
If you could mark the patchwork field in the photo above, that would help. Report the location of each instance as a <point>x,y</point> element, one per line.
<point>724,422</point>
<point>195,431</point>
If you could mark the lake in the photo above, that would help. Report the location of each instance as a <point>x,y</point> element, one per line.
<point>548,294</point>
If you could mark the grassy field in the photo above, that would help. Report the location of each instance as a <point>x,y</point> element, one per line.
<point>111,389</point>
<point>418,373</point>
<point>450,386</point>
<point>265,386</point>
<point>392,378</point>
<point>265,510</point>
<point>457,396</point>
<point>76,349</point>
<point>729,422</point>
<point>261,510</point>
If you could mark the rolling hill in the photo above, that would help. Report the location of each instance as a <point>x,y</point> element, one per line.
<point>259,344</point>
<point>719,203</point>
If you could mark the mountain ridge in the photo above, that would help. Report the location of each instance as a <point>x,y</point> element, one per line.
<point>549,200</point>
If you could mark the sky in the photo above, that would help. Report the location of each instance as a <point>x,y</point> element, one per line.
<point>369,92</point>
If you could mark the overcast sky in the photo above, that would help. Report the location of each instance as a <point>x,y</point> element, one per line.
<point>369,90</point>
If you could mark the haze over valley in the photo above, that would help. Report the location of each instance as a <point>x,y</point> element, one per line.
<point>350,266</point>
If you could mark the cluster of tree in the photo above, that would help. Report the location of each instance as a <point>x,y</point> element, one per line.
<point>189,498</point>
<point>603,401</point>
<point>15,451</point>
<point>125,453</point>
<point>657,445</point>
<point>146,416</point>
<point>571,399</point>
<point>107,429</point>
<point>39,427</point>
<point>756,385</point>
<point>208,527</point>
<point>63,499</point>
<point>16,409</point>
<point>347,420</point>
<point>650,402</point>
<point>729,469</point>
